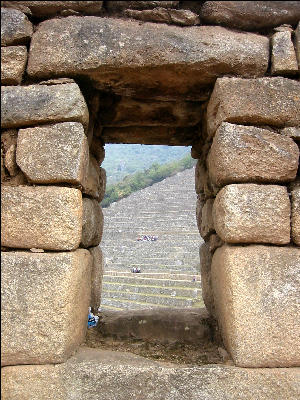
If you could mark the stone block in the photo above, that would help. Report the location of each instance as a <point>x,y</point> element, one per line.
<point>249,213</point>
<point>92,223</point>
<point>45,300</point>
<point>48,217</point>
<point>95,182</point>
<point>98,150</point>
<point>15,27</point>
<point>164,15</point>
<point>13,63</point>
<point>297,43</point>
<point>96,277</point>
<point>126,375</point>
<point>42,9</point>
<point>40,104</point>
<point>292,132</point>
<point>263,101</point>
<point>250,154</point>
<point>250,15</point>
<point>296,215</point>
<point>56,153</point>
<point>8,153</point>
<point>177,64</point>
<point>205,219</point>
<point>205,271</point>
<point>117,6</point>
<point>283,60</point>
<point>256,296</point>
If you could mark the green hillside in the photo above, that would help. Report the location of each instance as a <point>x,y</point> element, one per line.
<point>126,159</point>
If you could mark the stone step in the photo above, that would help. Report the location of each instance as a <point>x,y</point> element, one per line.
<point>151,298</point>
<point>127,304</point>
<point>151,289</point>
<point>167,275</point>
<point>166,283</point>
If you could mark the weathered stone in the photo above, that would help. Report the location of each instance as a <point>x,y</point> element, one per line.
<point>96,276</point>
<point>178,63</point>
<point>165,135</point>
<point>92,223</point>
<point>250,154</point>
<point>214,242</point>
<point>263,101</point>
<point>44,217</point>
<point>117,6</point>
<point>13,62</point>
<point>205,271</point>
<point>8,155</point>
<point>10,160</point>
<point>95,182</point>
<point>45,299</point>
<point>54,153</point>
<point>207,224</point>
<point>98,150</point>
<point>250,15</point>
<point>256,295</point>
<point>15,27</point>
<point>283,59</point>
<point>296,215</point>
<point>164,15</point>
<point>249,213</point>
<point>292,132</point>
<point>37,104</point>
<point>297,43</point>
<point>131,112</point>
<point>53,8</point>
<point>200,177</point>
<point>125,375</point>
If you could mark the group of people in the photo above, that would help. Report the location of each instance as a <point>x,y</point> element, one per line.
<point>148,238</point>
<point>136,270</point>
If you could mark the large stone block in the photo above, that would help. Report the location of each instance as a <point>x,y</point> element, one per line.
<point>15,27</point>
<point>92,223</point>
<point>92,373</point>
<point>13,62</point>
<point>283,58</point>
<point>53,8</point>
<point>296,215</point>
<point>95,183</point>
<point>177,63</point>
<point>39,104</point>
<point>256,297</point>
<point>45,300</point>
<point>250,15</point>
<point>249,213</point>
<point>54,153</point>
<point>263,101</point>
<point>96,277</point>
<point>249,154</point>
<point>41,217</point>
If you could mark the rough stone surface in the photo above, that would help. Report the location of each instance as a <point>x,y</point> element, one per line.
<point>296,215</point>
<point>45,299</point>
<point>263,101</point>
<point>131,112</point>
<point>15,27</point>
<point>249,213</point>
<point>48,217</point>
<point>292,132</point>
<point>207,224</point>
<point>36,104</point>
<point>97,149</point>
<point>117,6</point>
<point>96,276</point>
<point>164,15</point>
<point>284,61</point>
<point>297,43</point>
<point>158,325</point>
<point>13,62</point>
<point>95,182</point>
<point>176,63</point>
<point>256,295</point>
<point>250,15</point>
<point>250,154</point>
<point>54,153</point>
<point>53,8</point>
<point>205,270</point>
<point>92,223</point>
<point>92,373</point>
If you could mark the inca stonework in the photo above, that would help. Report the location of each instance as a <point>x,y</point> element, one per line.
<point>222,77</point>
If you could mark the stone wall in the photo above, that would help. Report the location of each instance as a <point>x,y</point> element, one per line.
<point>220,76</point>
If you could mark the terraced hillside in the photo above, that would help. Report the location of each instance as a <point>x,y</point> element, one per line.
<point>168,265</point>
